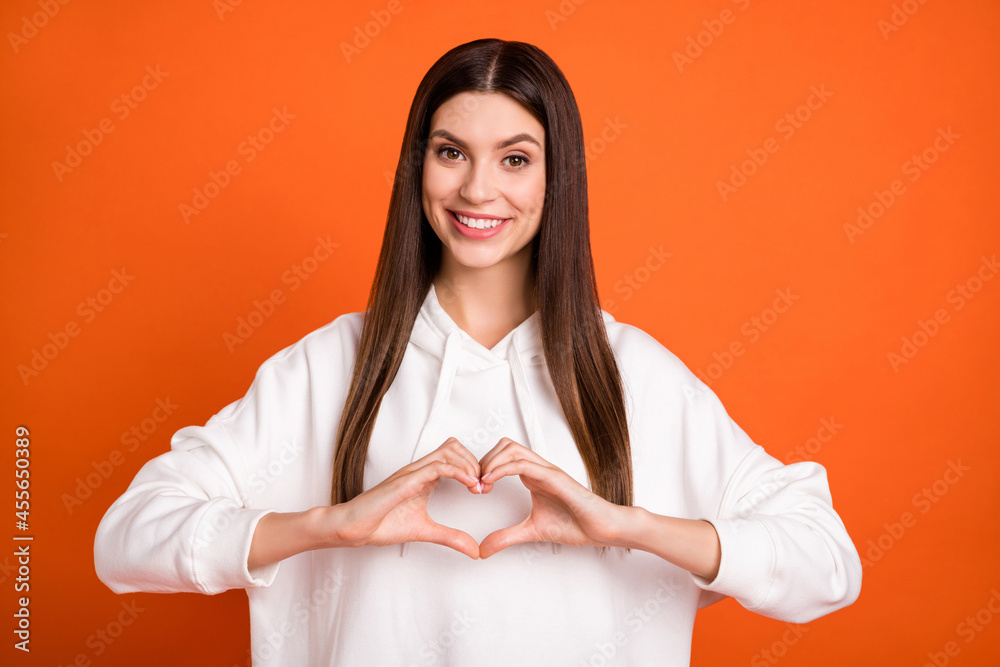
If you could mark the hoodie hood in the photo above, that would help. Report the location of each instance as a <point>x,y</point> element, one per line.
<point>435,332</point>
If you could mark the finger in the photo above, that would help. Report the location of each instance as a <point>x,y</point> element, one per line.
<point>538,478</point>
<point>497,471</point>
<point>415,482</point>
<point>464,474</point>
<point>499,540</point>
<point>455,446</point>
<point>501,468</point>
<point>507,450</point>
<point>451,451</point>
<point>502,445</point>
<point>451,537</point>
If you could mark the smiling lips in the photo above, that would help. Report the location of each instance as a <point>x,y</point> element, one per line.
<point>478,226</point>
<point>480,221</point>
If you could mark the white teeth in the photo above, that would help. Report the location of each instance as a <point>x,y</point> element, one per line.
<point>478,223</point>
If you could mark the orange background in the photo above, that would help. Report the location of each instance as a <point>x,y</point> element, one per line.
<point>670,134</point>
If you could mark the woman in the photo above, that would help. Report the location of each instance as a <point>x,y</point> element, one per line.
<point>562,490</point>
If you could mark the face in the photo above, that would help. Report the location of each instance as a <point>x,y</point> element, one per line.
<point>484,180</point>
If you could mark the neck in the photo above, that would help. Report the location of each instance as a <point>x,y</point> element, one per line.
<point>487,303</point>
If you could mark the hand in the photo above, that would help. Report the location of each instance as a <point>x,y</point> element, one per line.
<point>395,510</point>
<point>562,510</point>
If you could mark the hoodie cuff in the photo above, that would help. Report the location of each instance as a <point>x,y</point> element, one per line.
<point>222,546</point>
<point>746,568</point>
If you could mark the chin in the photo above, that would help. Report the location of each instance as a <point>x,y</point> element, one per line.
<point>477,260</point>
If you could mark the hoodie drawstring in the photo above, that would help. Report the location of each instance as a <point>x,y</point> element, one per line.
<point>450,359</point>
<point>529,414</point>
<point>446,379</point>
<point>525,401</point>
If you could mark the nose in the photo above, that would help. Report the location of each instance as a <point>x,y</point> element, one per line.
<point>479,184</point>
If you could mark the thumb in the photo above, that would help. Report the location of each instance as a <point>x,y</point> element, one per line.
<point>451,537</point>
<point>499,540</point>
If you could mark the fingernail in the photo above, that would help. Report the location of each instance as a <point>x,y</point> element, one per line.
<point>479,487</point>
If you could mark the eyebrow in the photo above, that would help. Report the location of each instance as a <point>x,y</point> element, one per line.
<point>517,138</point>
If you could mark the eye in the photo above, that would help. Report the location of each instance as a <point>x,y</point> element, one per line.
<point>517,161</point>
<point>449,152</point>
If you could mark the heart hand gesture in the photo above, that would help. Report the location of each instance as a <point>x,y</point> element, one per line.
<point>562,510</point>
<point>395,510</point>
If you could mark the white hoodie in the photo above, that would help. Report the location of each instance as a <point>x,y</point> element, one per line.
<point>186,521</point>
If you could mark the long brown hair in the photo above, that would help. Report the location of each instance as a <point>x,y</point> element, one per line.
<point>577,351</point>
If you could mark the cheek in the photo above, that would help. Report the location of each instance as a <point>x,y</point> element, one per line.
<point>427,181</point>
<point>439,182</point>
<point>529,196</point>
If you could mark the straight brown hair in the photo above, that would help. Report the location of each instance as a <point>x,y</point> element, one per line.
<point>576,347</point>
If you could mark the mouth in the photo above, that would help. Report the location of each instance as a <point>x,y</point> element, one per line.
<point>477,227</point>
<point>478,222</point>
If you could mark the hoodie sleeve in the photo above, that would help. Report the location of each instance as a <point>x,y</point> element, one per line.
<point>182,524</point>
<point>786,553</point>
<point>186,522</point>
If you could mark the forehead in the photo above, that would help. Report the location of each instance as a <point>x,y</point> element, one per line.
<point>485,114</point>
